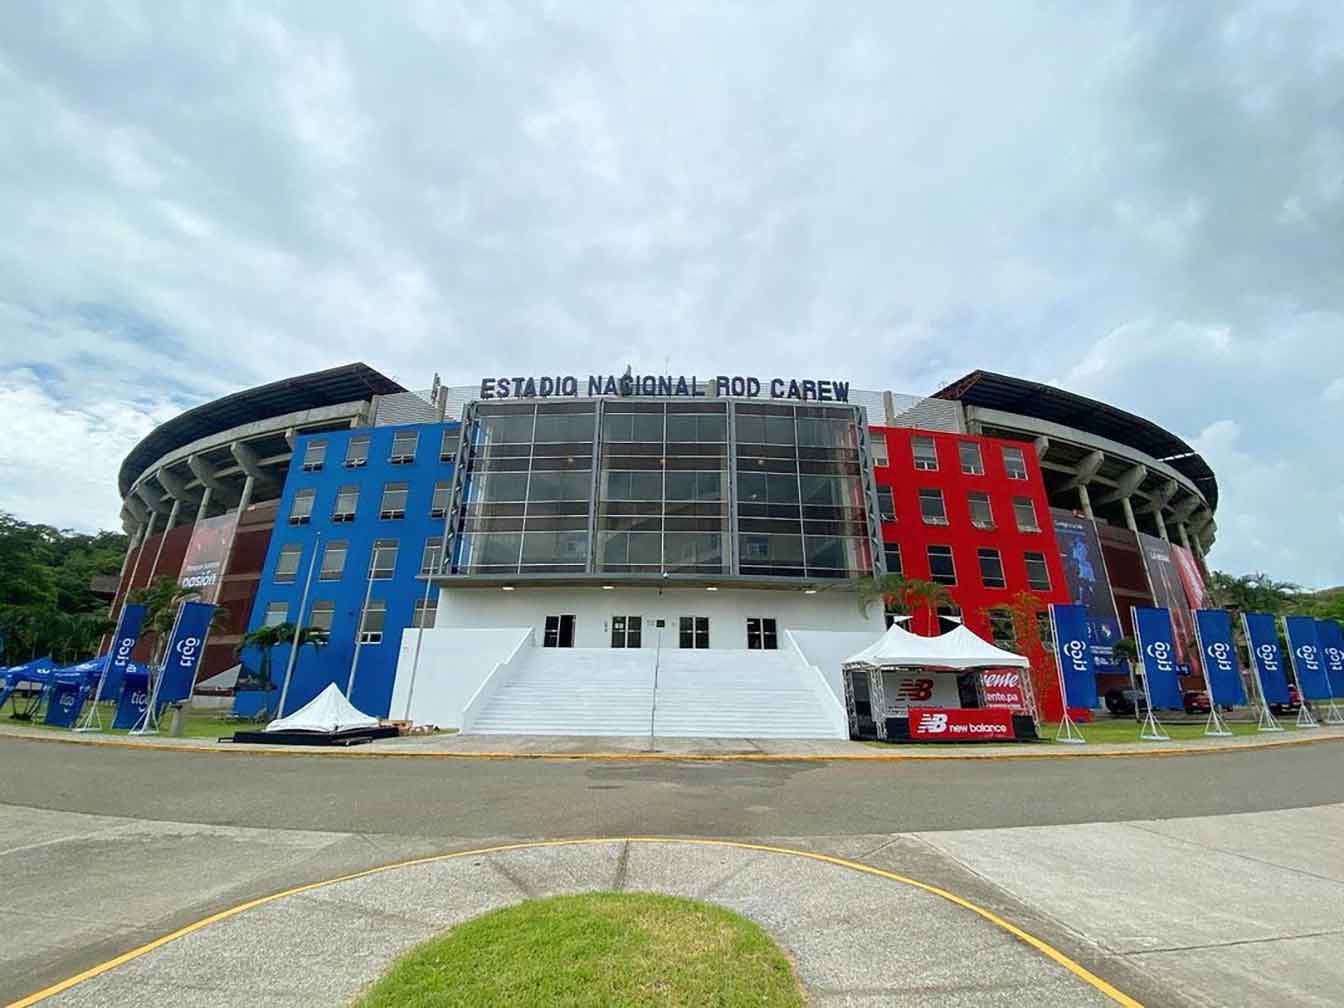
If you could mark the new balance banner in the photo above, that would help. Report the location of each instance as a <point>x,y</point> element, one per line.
<point>1222,671</point>
<point>1157,653</point>
<point>1312,679</point>
<point>956,724</point>
<point>1262,636</point>
<point>1331,636</point>
<point>184,652</point>
<point>1169,594</point>
<point>123,643</point>
<point>903,690</point>
<point>1003,688</point>
<point>65,696</point>
<point>1074,654</point>
<point>134,697</point>
<point>203,564</point>
<point>1085,577</point>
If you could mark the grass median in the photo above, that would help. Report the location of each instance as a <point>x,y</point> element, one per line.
<point>600,949</point>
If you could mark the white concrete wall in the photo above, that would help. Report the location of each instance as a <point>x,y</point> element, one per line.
<point>728,610</point>
<point>454,662</point>
<point>828,649</point>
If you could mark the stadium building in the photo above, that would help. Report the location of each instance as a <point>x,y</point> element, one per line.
<point>626,554</point>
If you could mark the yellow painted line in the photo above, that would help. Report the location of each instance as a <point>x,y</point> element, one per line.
<point>1067,753</point>
<point>1045,948</point>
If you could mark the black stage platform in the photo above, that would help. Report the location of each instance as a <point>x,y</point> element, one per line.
<point>351,737</point>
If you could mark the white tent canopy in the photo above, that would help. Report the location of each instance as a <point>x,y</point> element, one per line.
<point>329,711</point>
<point>957,650</point>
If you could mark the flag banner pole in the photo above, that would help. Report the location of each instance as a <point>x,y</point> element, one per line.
<point>1266,722</point>
<point>1332,648</point>
<point>1150,730</point>
<point>1214,725</point>
<point>149,720</point>
<point>298,626</point>
<point>363,615</point>
<point>123,642</point>
<point>1305,719</point>
<point>1068,731</point>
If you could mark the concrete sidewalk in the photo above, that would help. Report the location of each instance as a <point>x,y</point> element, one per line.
<point>446,745</point>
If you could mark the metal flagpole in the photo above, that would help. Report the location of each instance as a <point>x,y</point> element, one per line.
<point>424,610</point>
<point>1068,731</point>
<point>298,625</point>
<point>93,721</point>
<point>148,722</point>
<point>1266,721</point>
<point>1305,719</point>
<point>363,615</point>
<point>1150,730</point>
<point>1214,725</point>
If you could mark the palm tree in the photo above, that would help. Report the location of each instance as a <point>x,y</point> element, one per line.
<point>267,638</point>
<point>927,595</point>
<point>903,595</point>
<point>1252,592</point>
<point>161,601</point>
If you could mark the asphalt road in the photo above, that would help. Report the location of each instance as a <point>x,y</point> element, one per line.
<point>538,798</point>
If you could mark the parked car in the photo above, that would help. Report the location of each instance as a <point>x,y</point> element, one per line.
<point>1196,702</point>
<point>1293,705</point>
<point>1126,702</point>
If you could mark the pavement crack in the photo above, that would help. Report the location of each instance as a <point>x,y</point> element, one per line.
<point>512,877</point>
<point>714,886</point>
<point>1268,939</point>
<point>1231,853</point>
<point>880,847</point>
<point>622,868</point>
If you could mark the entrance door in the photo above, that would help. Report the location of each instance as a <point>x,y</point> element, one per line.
<point>559,632</point>
<point>627,631</point>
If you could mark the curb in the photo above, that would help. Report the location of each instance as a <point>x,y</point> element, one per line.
<point>670,757</point>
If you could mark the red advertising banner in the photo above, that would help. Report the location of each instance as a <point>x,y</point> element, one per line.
<point>203,564</point>
<point>1003,688</point>
<point>1190,576</point>
<point>965,724</point>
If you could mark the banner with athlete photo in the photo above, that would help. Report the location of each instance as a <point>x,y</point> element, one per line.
<point>1169,594</point>
<point>203,565</point>
<point>1085,577</point>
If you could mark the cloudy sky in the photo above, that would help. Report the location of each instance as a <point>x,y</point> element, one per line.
<point>1143,203</point>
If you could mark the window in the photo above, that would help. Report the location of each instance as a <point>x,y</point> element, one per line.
<point>982,514</point>
<point>932,508</point>
<point>429,559</point>
<point>972,464</point>
<point>886,503</point>
<point>357,452</point>
<point>1038,575</point>
<point>626,631</point>
<point>1024,511</point>
<point>892,552</point>
<point>333,561</point>
<point>942,568</point>
<point>347,502</point>
<point>425,609</point>
<point>394,501</point>
<point>1015,462</point>
<point>403,447</point>
<point>287,563</point>
<point>1001,629</point>
<point>991,568</point>
<point>926,454</point>
<point>878,443</point>
<point>448,446</point>
<point>371,625</point>
<point>383,559</point>
<point>276,613</point>
<point>438,505</point>
<point>322,615</point>
<point>301,511</point>
<point>694,632</point>
<point>314,455</point>
<point>762,635</point>
<point>559,632</point>
<point>1046,631</point>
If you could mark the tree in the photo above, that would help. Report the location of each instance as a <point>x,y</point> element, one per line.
<point>161,600</point>
<point>267,638</point>
<point>905,595</point>
<point>1252,592</point>
<point>1025,610</point>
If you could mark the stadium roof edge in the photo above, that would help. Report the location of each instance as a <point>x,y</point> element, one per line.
<point>1047,402</point>
<point>345,383</point>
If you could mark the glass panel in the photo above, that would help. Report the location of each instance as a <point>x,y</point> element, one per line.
<point>892,552</point>
<point>448,446</point>
<point>555,547</point>
<point>991,568</point>
<point>321,616</point>
<point>276,613</point>
<point>886,503</point>
<point>982,516</point>
<point>942,569</point>
<point>287,563</point>
<point>404,443</point>
<point>931,507</point>
<point>1038,574</point>
<point>1024,509</point>
<point>357,452</point>
<point>383,559</point>
<point>429,558</point>
<point>971,462</point>
<point>1015,463</point>
<point>926,455</point>
<point>505,429</point>
<point>333,561</point>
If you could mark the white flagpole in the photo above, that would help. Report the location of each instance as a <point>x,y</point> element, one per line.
<point>298,625</point>
<point>1068,731</point>
<point>1266,722</point>
<point>1150,730</point>
<point>1214,725</point>
<point>363,615</point>
<point>150,716</point>
<point>1305,719</point>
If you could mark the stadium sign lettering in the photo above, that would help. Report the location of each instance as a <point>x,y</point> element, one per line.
<point>666,386</point>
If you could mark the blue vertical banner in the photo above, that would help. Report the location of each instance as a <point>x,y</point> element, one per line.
<point>1308,665</point>
<point>1157,653</point>
<point>133,698</point>
<point>1331,636</point>
<point>123,643</point>
<point>65,696</point>
<point>1262,637</point>
<point>1222,670</point>
<point>178,674</point>
<point>1073,652</point>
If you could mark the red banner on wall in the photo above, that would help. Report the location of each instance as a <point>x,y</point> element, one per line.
<point>950,724</point>
<point>203,565</point>
<point>1003,688</point>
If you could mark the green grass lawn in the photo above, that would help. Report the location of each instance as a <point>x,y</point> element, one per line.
<point>194,725</point>
<point>600,949</point>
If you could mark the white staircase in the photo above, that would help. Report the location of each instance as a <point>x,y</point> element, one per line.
<point>700,694</point>
<point>737,694</point>
<point>573,691</point>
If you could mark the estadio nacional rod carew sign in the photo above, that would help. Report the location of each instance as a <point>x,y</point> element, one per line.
<point>666,386</point>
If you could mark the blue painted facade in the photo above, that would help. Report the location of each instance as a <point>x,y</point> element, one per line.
<point>377,665</point>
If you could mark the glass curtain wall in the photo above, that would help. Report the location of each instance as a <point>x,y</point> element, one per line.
<point>800,492</point>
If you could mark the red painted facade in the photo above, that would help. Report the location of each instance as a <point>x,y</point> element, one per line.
<point>914,535</point>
